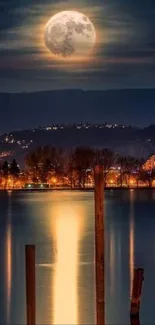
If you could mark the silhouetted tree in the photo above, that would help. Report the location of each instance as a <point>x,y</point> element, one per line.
<point>14,169</point>
<point>147,176</point>
<point>81,160</point>
<point>44,162</point>
<point>31,162</point>
<point>128,166</point>
<point>5,169</point>
<point>5,173</point>
<point>105,157</point>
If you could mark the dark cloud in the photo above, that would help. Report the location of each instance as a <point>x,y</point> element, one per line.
<point>125,54</point>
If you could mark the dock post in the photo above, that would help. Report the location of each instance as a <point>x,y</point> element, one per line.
<point>136,293</point>
<point>134,320</point>
<point>99,245</point>
<point>30,284</point>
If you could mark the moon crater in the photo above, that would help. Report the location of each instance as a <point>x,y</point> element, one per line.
<point>69,34</point>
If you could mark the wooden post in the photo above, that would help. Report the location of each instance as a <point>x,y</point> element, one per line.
<point>134,320</point>
<point>136,292</point>
<point>99,245</point>
<point>30,284</point>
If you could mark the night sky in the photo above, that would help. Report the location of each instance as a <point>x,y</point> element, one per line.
<point>124,56</point>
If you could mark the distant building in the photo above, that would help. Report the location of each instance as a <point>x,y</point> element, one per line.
<point>149,164</point>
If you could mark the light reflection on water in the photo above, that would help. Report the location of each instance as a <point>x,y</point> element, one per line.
<point>131,241</point>
<point>61,225</point>
<point>8,265</point>
<point>68,231</point>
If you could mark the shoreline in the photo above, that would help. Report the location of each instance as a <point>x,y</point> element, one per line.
<point>75,189</point>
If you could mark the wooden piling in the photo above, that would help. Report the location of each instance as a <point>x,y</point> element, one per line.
<point>136,292</point>
<point>30,284</point>
<point>99,245</point>
<point>134,320</point>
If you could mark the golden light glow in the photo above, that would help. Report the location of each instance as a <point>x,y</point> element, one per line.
<point>131,243</point>
<point>68,227</point>
<point>8,269</point>
<point>111,181</point>
<point>54,180</point>
<point>132,181</point>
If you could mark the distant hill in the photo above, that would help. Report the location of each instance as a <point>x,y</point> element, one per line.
<point>125,140</point>
<point>26,110</point>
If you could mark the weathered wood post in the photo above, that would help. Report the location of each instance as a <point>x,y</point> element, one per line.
<point>136,293</point>
<point>30,284</point>
<point>99,244</point>
<point>134,320</point>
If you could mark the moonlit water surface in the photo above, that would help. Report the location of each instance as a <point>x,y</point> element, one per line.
<point>61,225</point>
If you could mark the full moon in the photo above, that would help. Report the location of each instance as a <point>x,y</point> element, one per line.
<point>70,34</point>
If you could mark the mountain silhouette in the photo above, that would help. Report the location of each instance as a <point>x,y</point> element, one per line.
<point>27,110</point>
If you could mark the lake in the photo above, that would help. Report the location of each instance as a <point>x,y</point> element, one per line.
<point>61,225</point>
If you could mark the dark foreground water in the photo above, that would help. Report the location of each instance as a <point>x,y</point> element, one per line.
<point>61,225</point>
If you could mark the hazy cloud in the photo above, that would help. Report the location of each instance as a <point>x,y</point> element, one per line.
<point>126,43</point>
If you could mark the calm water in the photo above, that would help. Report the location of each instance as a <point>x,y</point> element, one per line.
<point>61,225</point>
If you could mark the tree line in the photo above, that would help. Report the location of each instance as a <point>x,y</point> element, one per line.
<point>74,168</point>
<point>10,169</point>
<point>9,172</point>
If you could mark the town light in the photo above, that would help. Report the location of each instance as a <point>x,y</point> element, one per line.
<point>54,180</point>
<point>132,182</point>
<point>111,181</point>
